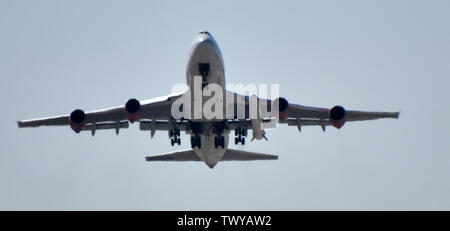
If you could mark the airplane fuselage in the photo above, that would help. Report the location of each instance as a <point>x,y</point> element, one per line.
<point>205,61</point>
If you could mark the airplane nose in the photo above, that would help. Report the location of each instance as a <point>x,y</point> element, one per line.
<point>205,45</point>
<point>205,36</point>
<point>204,32</point>
<point>204,42</point>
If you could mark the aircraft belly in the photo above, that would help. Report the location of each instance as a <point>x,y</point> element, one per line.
<point>208,152</point>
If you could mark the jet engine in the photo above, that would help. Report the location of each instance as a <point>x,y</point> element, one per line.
<point>133,110</point>
<point>337,116</point>
<point>77,120</point>
<point>283,107</point>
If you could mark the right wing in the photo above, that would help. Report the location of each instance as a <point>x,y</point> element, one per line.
<point>114,117</point>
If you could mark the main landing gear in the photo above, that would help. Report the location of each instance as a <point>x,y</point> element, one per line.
<point>175,137</point>
<point>196,141</point>
<point>240,133</point>
<point>219,141</point>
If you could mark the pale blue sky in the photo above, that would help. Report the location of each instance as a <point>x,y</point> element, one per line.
<point>56,56</point>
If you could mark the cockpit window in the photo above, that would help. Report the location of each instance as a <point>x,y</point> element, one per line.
<point>204,32</point>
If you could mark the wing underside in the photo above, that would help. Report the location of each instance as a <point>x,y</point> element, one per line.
<point>112,118</point>
<point>155,114</point>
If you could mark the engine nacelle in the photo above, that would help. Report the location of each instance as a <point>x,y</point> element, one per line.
<point>283,107</point>
<point>337,116</point>
<point>77,120</point>
<point>133,110</point>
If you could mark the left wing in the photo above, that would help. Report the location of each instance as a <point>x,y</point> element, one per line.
<point>299,115</point>
<point>300,111</point>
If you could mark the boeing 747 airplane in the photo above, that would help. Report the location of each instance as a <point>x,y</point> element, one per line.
<point>209,133</point>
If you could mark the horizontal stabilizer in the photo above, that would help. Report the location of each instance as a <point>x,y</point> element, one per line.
<point>187,155</point>
<point>231,154</point>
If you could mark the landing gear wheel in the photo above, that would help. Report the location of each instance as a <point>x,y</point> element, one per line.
<point>198,142</point>
<point>219,141</point>
<point>240,133</point>
<point>222,142</point>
